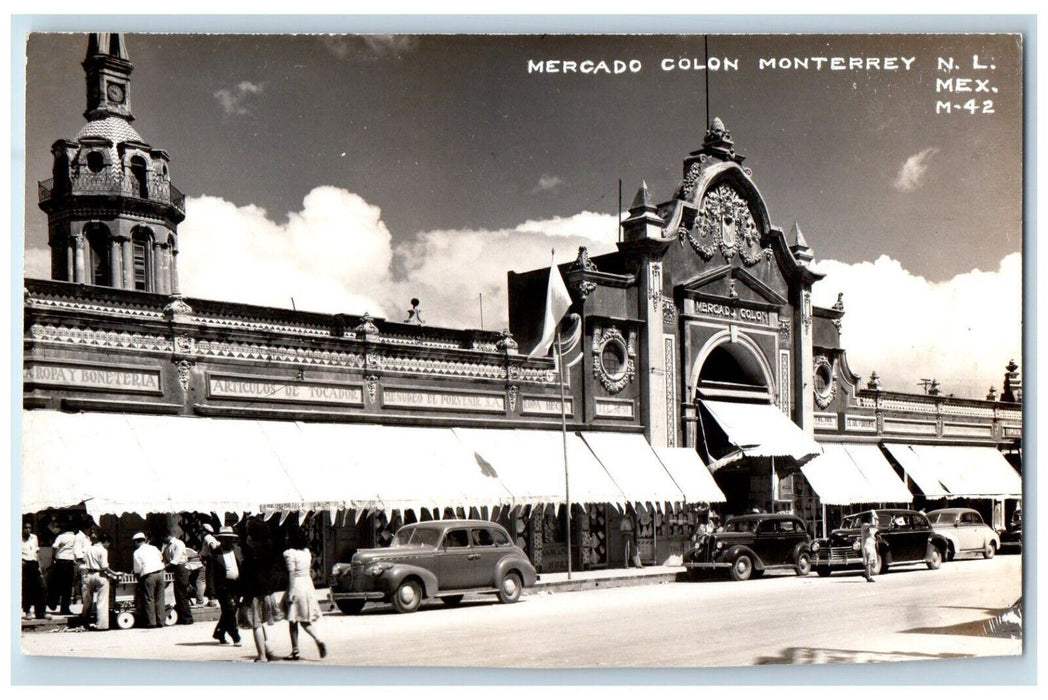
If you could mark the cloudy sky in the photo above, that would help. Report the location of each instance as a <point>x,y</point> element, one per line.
<point>352,173</point>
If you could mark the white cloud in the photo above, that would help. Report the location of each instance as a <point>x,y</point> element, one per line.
<point>547,183</point>
<point>38,263</point>
<point>912,171</point>
<point>961,332</point>
<point>234,101</point>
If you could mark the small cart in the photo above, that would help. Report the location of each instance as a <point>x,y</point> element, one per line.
<point>123,594</point>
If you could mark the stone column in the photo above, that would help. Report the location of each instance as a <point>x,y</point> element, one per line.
<point>70,257</point>
<point>116,263</point>
<point>79,268</point>
<point>158,268</point>
<point>174,270</point>
<point>804,401</point>
<point>129,263</point>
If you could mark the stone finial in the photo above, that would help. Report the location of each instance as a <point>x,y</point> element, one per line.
<point>506,343</point>
<point>415,314</point>
<point>800,248</point>
<point>874,383</point>
<point>642,200</point>
<point>1013,385</point>
<point>367,326</point>
<point>839,304</point>
<point>992,394</point>
<point>583,262</point>
<point>177,309</point>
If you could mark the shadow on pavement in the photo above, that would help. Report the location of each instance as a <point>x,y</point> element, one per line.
<point>814,655</point>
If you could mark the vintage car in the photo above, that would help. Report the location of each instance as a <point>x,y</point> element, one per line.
<point>443,559</point>
<point>903,537</point>
<point>749,545</point>
<point>965,531</point>
<point>1012,536</point>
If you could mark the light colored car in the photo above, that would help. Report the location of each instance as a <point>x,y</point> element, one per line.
<point>966,532</point>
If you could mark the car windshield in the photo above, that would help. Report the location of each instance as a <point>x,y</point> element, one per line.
<point>856,521</point>
<point>415,536</point>
<point>741,526</point>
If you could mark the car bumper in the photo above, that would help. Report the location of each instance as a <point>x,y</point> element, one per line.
<point>357,595</point>
<point>836,558</point>
<point>703,565</point>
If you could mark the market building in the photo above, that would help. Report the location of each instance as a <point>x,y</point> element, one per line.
<point>696,373</point>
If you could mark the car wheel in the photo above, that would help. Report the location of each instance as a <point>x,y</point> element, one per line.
<point>452,601</point>
<point>803,564</point>
<point>510,588</point>
<point>407,597</point>
<point>125,620</point>
<point>823,571</point>
<point>171,617</point>
<point>989,550</point>
<point>742,567</point>
<point>934,558</point>
<point>350,607</point>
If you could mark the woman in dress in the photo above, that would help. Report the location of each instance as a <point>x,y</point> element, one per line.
<point>301,602</point>
<point>257,607</point>
<point>869,547</point>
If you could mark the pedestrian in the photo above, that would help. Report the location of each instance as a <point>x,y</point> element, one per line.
<point>95,581</point>
<point>257,606</point>
<point>869,547</point>
<point>34,592</point>
<point>197,576</point>
<point>227,565</point>
<point>300,603</point>
<point>149,568</point>
<point>208,549</point>
<point>176,561</point>
<point>627,527</point>
<point>63,563</point>
<point>81,542</point>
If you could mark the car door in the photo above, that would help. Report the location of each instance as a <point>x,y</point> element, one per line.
<point>769,543</point>
<point>970,531</point>
<point>903,540</point>
<point>456,560</point>
<point>486,555</point>
<point>793,534</point>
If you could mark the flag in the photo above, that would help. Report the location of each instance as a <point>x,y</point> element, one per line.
<point>557,303</point>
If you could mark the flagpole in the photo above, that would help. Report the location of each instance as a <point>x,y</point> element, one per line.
<point>564,440</point>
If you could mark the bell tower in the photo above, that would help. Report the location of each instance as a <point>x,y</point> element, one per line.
<point>112,211</point>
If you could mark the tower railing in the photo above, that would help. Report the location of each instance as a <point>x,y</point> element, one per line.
<point>153,188</point>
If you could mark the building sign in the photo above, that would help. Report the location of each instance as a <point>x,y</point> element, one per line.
<point>115,379</point>
<point>910,427</point>
<point>614,409</point>
<point>866,424</point>
<point>826,421</point>
<point>967,430</point>
<point>542,406</point>
<point>232,387</point>
<point>440,400</point>
<point>736,313</point>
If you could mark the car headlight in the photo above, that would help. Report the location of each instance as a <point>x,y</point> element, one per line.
<point>339,569</point>
<point>856,545</point>
<point>815,547</point>
<point>720,546</point>
<point>378,567</point>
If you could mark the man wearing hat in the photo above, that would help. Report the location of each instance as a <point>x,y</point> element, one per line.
<point>228,563</point>
<point>208,551</point>
<point>149,568</point>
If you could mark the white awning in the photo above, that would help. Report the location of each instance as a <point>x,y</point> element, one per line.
<point>530,464</point>
<point>117,463</point>
<point>850,474</point>
<point>948,470</point>
<point>633,466</point>
<point>693,477</point>
<point>921,471</point>
<point>761,430</point>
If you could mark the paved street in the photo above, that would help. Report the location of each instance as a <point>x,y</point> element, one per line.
<point>907,614</point>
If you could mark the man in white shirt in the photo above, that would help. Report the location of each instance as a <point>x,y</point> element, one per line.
<point>63,560</point>
<point>33,594</point>
<point>149,568</point>
<point>96,574</point>
<point>228,563</point>
<point>176,561</point>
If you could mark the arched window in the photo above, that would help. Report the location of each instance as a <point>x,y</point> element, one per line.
<point>98,264</point>
<point>95,161</point>
<point>138,171</point>
<point>142,258</point>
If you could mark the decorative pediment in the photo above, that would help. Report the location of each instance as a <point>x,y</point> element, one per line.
<point>734,283</point>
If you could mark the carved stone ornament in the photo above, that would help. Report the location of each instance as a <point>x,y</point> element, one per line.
<point>366,326</point>
<point>511,398</point>
<point>669,312</point>
<point>583,288</point>
<point>183,344</point>
<point>724,223</point>
<point>824,381</point>
<point>784,330</point>
<point>806,311</point>
<point>177,307</point>
<point>583,262</point>
<point>687,185</point>
<point>506,343</point>
<point>613,359</point>
<point>371,383</point>
<point>184,368</point>
<point>655,284</point>
<point>874,383</point>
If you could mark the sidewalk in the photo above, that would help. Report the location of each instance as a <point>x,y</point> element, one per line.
<point>547,583</point>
